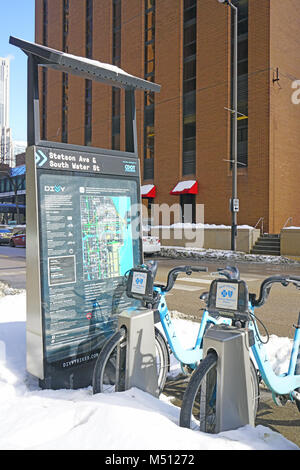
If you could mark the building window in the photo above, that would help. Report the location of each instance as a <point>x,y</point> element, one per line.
<point>116,53</point>
<point>115,118</point>
<point>44,72</point>
<point>88,83</point>
<point>89,29</point>
<point>45,22</point>
<point>65,97</point>
<point>66,11</point>
<point>149,100</point>
<point>65,76</point>
<point>116,60</point>
<point>189,87</point>
<point>88,113</point>
<point>242,83</point>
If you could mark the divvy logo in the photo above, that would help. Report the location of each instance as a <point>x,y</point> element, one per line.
<point>55,189</point>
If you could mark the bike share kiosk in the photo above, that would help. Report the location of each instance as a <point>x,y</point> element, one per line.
<point>234,397</point>
<point>83,230</point>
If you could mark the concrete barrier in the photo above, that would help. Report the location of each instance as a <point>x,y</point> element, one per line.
<point>221,238</point>
<point>290,242</point>
<point>218,238</point>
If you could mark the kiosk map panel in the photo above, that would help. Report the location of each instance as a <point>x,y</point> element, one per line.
<point>88,246</point>
<point>106,235</point>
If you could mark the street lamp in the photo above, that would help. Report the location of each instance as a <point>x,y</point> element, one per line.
<point>234,204</point>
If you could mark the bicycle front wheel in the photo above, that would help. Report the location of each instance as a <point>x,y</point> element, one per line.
<point>106,372</point>
<point>198,409</point>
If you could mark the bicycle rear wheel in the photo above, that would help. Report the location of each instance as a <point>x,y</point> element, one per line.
<point>198,410</point>
<point>106,373</point>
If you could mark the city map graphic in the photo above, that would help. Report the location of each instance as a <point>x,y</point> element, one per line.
<point>106,236</point>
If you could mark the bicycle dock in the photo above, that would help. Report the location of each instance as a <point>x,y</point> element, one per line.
<point>140,370</point>
<point>235,407</point>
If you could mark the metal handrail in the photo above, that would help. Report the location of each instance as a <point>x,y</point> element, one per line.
<point>262,225</point>
<point>289,219</point>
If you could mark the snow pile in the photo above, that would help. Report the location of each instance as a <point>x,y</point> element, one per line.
<point>183,186</point>
<point>6,290</point>
<point>221,255</point>
<point>146,188</point>
<point>97,63</point>
<point>32,418</point>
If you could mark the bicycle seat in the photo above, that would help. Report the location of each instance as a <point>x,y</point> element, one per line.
<point>152,266</point>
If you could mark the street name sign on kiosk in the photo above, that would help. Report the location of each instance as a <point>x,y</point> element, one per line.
<point>83,231</point>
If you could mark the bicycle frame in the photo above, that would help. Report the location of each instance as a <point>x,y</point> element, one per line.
<point>191,356</point>
<point>279,384</point>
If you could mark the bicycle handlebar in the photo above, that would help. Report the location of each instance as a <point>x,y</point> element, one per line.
<point>172,276</point>
<point>230,272</point>
<point>266,287</point>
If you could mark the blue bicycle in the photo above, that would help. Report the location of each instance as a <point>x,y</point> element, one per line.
<point>105,375</point>
<point>189,358</point>
<point>199,403</point>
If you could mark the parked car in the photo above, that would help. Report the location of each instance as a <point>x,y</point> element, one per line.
<point>18,239</point>
<point>151,244</point>
<point>5,236</point>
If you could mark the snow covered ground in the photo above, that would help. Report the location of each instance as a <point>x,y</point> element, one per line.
<point>32,418</point>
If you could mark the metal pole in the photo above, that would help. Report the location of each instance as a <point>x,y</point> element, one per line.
<point>33,109</point>
<point>234,206</point>
<point>234,136</point>
<point>234,200</point>
<point>130,122</point>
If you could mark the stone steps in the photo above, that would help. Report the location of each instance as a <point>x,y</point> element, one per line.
<point>267,244</point>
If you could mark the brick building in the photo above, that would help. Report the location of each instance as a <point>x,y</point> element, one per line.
<point>184,132</point>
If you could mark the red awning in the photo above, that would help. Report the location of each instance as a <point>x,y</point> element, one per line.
<point>185,187</point>
<point>148,190</point>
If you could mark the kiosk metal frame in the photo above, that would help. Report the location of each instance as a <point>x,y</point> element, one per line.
<point>39,55</point>
<point>111,161</point>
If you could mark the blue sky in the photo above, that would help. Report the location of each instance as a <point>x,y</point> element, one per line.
<point>17,19</point>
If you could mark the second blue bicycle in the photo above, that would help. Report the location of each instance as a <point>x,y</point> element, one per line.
<point>105,373</point>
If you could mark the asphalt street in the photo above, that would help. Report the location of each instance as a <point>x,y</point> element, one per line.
<point>278,315</point>
<point>13,266</point>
